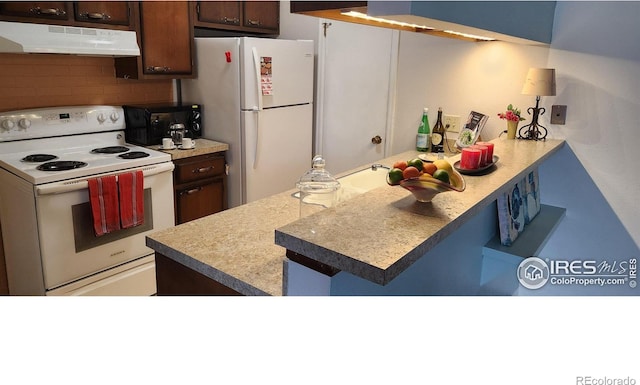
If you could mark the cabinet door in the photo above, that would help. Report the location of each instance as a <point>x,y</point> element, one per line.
<point>261,15</point>
<point>103,12</point>
<point>199,200</point>
<point>167,38</point>
<point>224,13</point>
<point>35,11</point>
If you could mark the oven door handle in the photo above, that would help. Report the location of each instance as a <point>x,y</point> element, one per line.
<point>82,183</point>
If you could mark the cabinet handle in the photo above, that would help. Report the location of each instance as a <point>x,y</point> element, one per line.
<point>228,20</point>
<point>192,191</point>
<point>376,139</point>
<point>95,16</point>
<point>48,11</point>
<point>253,22</point>
<point>202,170</point>
<point>158,69</point>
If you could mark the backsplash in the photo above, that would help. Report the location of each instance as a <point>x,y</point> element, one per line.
<point>43,80</point>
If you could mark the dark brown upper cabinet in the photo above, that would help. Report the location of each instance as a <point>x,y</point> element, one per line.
<point>252,17</point>
<point>165,36</point>
<point>103,14</point>
<point>46,12</point>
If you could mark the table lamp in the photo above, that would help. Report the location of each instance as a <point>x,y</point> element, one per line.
<point>539,82</point>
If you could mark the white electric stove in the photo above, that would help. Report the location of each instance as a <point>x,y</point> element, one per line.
<point>47,157</point>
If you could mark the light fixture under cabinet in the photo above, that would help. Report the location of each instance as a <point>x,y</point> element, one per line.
<point>416,27</point>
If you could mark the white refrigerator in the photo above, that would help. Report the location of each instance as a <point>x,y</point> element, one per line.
<point>257,96</point>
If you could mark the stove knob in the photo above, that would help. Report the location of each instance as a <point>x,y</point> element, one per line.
<point>114,116</point>
<point>7,124</point>
<point>24,123</point>
<point>101,118</point>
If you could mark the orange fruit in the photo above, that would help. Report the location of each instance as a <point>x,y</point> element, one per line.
<point>401,164</point>
<point>429,168</point>
<point>410,172</point>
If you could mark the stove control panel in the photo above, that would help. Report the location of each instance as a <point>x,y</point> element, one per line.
<point>59,121</point>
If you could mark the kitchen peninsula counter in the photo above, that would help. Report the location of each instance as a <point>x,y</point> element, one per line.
<point>375,236</point>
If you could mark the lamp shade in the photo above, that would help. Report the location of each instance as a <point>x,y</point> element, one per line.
<point>540,82</point>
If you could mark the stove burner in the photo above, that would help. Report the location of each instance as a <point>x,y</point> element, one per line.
<point>37,158</point>
<point>61,165</point>
<point>134,155</point>
<point>110,150</point>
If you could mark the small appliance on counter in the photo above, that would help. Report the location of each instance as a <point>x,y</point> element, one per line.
<point>147,124</point>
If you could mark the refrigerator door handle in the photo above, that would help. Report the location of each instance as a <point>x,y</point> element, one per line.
<point>257,141</point>
<point>256,63</point>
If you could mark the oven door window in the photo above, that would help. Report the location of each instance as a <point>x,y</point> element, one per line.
<point>84,235</point>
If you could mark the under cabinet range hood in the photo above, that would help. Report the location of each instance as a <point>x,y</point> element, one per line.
<point>59,39</point>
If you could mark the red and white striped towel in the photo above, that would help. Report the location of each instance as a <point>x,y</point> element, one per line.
<point>103,196</point>
<point>131,192</point>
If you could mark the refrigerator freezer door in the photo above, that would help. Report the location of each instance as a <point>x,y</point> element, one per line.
<point>278,149</point>
<point>276,72</point>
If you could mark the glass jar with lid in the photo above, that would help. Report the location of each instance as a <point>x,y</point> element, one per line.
<point>318,189</point>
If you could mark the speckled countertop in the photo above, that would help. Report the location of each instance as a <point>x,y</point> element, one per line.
<point>377,235</point>
<point>236,247</point>
<point>203,146</point>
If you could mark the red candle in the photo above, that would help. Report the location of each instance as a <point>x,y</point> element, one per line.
<point>485,152</point>
<point>489,158</point>
<point>470,158</point>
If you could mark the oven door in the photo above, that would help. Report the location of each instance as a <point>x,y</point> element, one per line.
<point>70,250</point>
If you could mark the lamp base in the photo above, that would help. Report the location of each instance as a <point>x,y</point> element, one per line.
<point>533,130</point>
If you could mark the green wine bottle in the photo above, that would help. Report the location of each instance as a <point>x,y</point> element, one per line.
<point>422,139</point>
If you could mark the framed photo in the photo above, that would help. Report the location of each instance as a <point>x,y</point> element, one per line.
<point>472,129</point>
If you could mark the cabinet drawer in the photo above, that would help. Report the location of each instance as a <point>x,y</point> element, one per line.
<point>198,167</point>
<point>199,201</point>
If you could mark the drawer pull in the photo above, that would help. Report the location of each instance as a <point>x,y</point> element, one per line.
<point>192,191</point>
<point>203,170</point>
<point>48,11</point>
<point>158,69</point>
<point>230,20</point>
<point>255,23</point>
<point>95,16</point>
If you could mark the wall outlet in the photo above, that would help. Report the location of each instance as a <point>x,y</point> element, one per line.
<point>451,123</point>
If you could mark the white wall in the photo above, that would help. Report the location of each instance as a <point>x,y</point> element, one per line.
<point>459,76</point>
<point>596,54</point>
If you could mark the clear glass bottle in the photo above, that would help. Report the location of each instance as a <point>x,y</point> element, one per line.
<point>422,139</point>
<point>438,134</point>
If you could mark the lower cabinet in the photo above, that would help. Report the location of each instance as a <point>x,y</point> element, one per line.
<point>173,278</point>
<point>199,186</point>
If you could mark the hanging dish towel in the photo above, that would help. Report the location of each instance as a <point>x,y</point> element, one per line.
<point>131,189</point>
<point>103,196</point>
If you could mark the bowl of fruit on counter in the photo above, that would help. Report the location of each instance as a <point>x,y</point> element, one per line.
<point>425,180</point>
